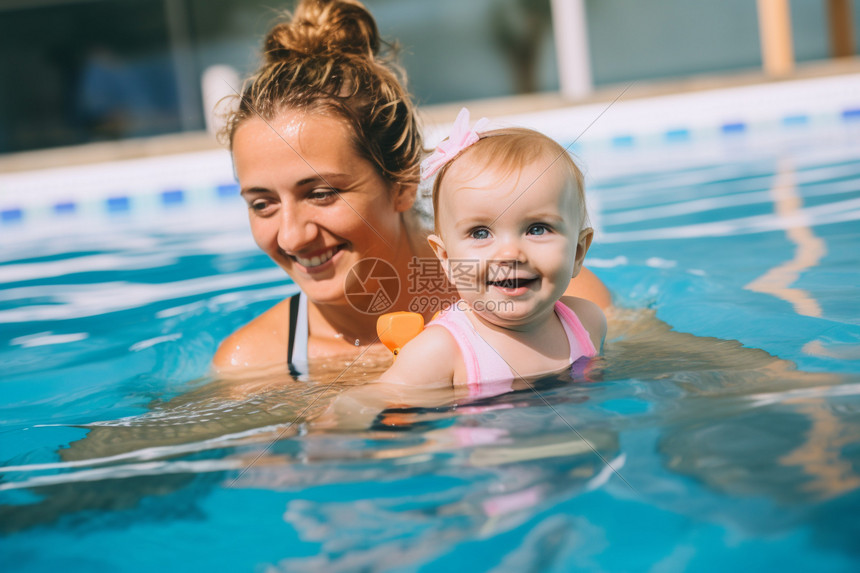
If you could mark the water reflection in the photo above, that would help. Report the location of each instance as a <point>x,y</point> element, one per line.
<point>809,249</point>
<point>798,454</point>
<point>420,480</point>
<point>829,473</point>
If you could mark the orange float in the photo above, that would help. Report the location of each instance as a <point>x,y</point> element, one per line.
<point>395,329</point>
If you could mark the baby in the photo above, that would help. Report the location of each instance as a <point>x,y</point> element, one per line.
<point>511,231</point>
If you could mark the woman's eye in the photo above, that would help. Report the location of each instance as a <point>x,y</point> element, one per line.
<point>322,194</point>
<point>260,205</point>
<point>481,233</point>
<point>538,229</point>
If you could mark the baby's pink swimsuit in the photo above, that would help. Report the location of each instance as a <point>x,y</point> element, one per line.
<point>484,364</point>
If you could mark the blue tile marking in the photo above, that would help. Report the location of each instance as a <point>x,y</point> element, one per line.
<point>623,141</point>
<point>10,215</point>
<point>678,135</point>
<point>228,191</point>
<point>172,197</point>
<point>736,127</point>
<point>117,204</point>
<point>65,208</point>
<point>795,120</point>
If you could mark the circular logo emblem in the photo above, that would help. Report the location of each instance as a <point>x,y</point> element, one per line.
<point>372,286</point>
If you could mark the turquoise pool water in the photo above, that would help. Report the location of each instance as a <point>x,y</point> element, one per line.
<point>720,431</point>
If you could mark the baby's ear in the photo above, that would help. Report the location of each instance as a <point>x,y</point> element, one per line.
<point>439,250</point>
<point>585,237</point>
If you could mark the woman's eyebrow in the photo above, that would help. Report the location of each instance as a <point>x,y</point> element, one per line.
<point>320,177</point>
<point>253,190</point>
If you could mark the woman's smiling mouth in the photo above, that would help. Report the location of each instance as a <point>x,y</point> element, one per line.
<point>312,263</point>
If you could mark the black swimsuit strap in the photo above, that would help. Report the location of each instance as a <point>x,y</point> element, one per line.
<point>294,316</point>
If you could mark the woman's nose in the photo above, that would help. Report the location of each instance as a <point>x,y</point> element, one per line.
<point>296,230</point>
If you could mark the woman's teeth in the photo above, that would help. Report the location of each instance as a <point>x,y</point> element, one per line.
<point>318,260</point>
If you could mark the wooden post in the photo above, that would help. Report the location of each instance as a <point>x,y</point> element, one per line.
<point>841,28</point>
<point>774,22</point>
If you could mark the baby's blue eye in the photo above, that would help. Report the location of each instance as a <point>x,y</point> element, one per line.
<point>537,229</point>
<point>480,233</point>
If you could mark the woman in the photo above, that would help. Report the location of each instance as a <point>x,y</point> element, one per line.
<point>326,147</point>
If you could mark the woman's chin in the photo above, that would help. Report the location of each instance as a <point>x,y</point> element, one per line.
<point>328,299</point>
<point>324,291</point>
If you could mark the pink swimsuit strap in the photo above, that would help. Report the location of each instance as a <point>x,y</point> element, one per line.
<point>484,364</point>
<point>578,338</point>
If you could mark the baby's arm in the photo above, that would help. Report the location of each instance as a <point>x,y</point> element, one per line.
<point>591,317</point>
<point>426,361</point>
<point>421,376</point>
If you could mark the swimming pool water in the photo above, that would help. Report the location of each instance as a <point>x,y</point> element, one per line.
<point>720,430</point>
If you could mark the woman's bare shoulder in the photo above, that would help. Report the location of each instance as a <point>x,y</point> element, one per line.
<point>260,343</point>
<point>587,285</point>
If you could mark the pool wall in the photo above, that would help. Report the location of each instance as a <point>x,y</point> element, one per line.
<point>599,133</point>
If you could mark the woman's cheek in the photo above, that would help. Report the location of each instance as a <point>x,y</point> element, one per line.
<point>265,234</point>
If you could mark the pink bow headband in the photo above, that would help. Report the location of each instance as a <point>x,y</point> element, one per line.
<point>460,138</point>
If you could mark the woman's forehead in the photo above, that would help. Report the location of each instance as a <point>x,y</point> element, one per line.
<point>294,148</point>
<point>305,135</point>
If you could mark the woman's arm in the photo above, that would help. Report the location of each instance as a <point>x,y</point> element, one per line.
<point>588,286</point>
<point>421,376</point>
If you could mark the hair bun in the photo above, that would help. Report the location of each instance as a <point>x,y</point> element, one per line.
<point>325,27</point>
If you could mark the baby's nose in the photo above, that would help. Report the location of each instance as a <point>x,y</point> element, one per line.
<point>510,250</point>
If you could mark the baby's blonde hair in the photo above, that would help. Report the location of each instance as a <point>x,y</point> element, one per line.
<point>513,148</point>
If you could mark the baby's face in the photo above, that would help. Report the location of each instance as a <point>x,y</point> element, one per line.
<point>509,241</point>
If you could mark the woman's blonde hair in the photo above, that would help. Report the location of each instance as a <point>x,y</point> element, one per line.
<point>328,57</point>
<point>513,148</point>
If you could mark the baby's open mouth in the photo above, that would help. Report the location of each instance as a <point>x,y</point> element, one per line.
<point>512,282</point>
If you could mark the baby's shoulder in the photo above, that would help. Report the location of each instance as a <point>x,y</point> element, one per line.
<point>430,343</point>
<point>426,359</point>
<point>590,315</point>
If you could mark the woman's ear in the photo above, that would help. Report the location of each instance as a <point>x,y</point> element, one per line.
<point>404,196</point>
<point>585,237</point>
<point>438,247</point>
